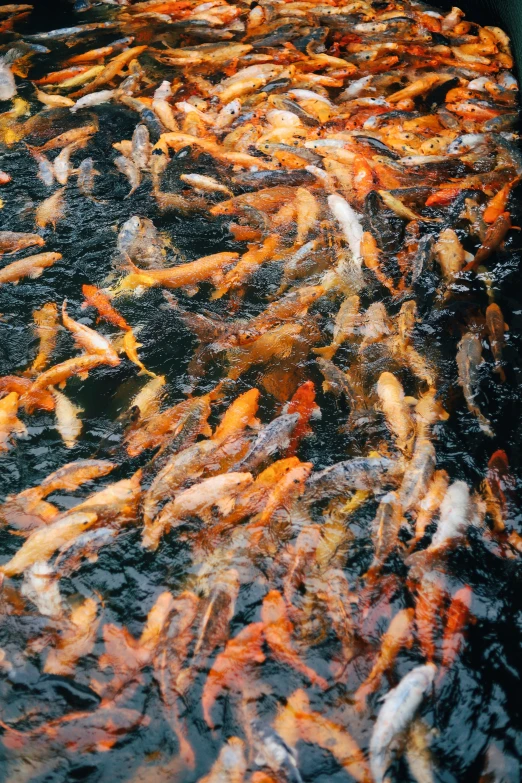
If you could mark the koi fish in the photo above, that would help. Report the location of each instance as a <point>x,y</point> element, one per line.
<point>232,668</point>
<point>31,266</point>
<point>10,424</point>
<point>179,276</point>
<point>69,424</point>
<point>91,341</point>
<point>396,411</point>
<point>216,491</point>
<point>496,328</point>
<point>396,714</point>
<point>97,299</point>
<point>297,721</point>
<point>398,635</point>
<point>46,327</point>
<point>76,639</point>
<point>469,359</point>
<point>278,634</point>
<point>13,241</point>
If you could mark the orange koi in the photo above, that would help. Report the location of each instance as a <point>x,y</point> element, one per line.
<point>457,619</point>
<point>278,634</point>
<point>101,302</point>
<point>431,594</point>
<point>297,721</point>
<point>398,635</point>
<point>302,403</point>
<point>232,668</point>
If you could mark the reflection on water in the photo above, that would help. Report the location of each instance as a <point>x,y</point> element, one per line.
<point>267,488</point>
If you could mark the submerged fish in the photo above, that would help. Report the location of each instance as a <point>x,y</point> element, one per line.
<point>396,714</point>
<point>469,360</point>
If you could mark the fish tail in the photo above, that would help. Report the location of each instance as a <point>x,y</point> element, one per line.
<point>219,292</point>
<point>485,425</point>
<point>144,371</point>
<point>327,351</point>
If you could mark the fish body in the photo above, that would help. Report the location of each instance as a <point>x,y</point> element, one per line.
<point>396,411</point>
<point>240,414</point>
<point>449,253</point>
<point>183,275</point>
<point>41,586</point>
<point>288,488</point>
<point>359,473</point>
<point>46,328</point>
<point>205,184</point>
<point>171,429</point>
<point>217,491</point>
<point>303,403</point>
<point>252,499</point>
<point>188,463</point>
<point>72,475</point>
<point>91,341</point>
<point>273,752</point>
<point>76,639</point>
<point>231,764</point>
<point>275,343</point>
<point>398,636</point>
<point>27,510</point>
<point>41,544</point>
<point>430,503</point>
<point>97,299</point>
<point>457,619</point>
<point>69,424</point>
<point>278,634</point>
<point>396,714</point>
<point>61,164</point>
<point>429,604</point>
<point>129,169</point>
<point>455,513</point>
<point>246,266</point>
<point>10,424</point>
<point>272,438</point>
<point>50,211</point>
<point>296,721</point>
<point>428,411</point>
<point>12,241</point>
<point>385,531</point>
<point>375,325</point>
<point>496,328</point>
<point>130,346</point>
<point>141,147</point>
<point>86,174</point>
<point>147,401</point>
<point>350,223</point>
<point>79,365</point>
<point>41,400</point>
<point>31,266</point>
<point>344,326</point>
<point>469,360</point>
<point>233,667</point>
<point>417,475</point>
<point>418,753</point>
<point>7,82</point>
<point>68,137</point>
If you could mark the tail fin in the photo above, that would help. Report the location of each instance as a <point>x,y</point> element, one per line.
<point>327,352</point>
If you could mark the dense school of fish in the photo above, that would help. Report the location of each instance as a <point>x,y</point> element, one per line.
<point>361,157</point>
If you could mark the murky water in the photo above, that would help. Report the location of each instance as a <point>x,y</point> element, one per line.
<point>475,709</point>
